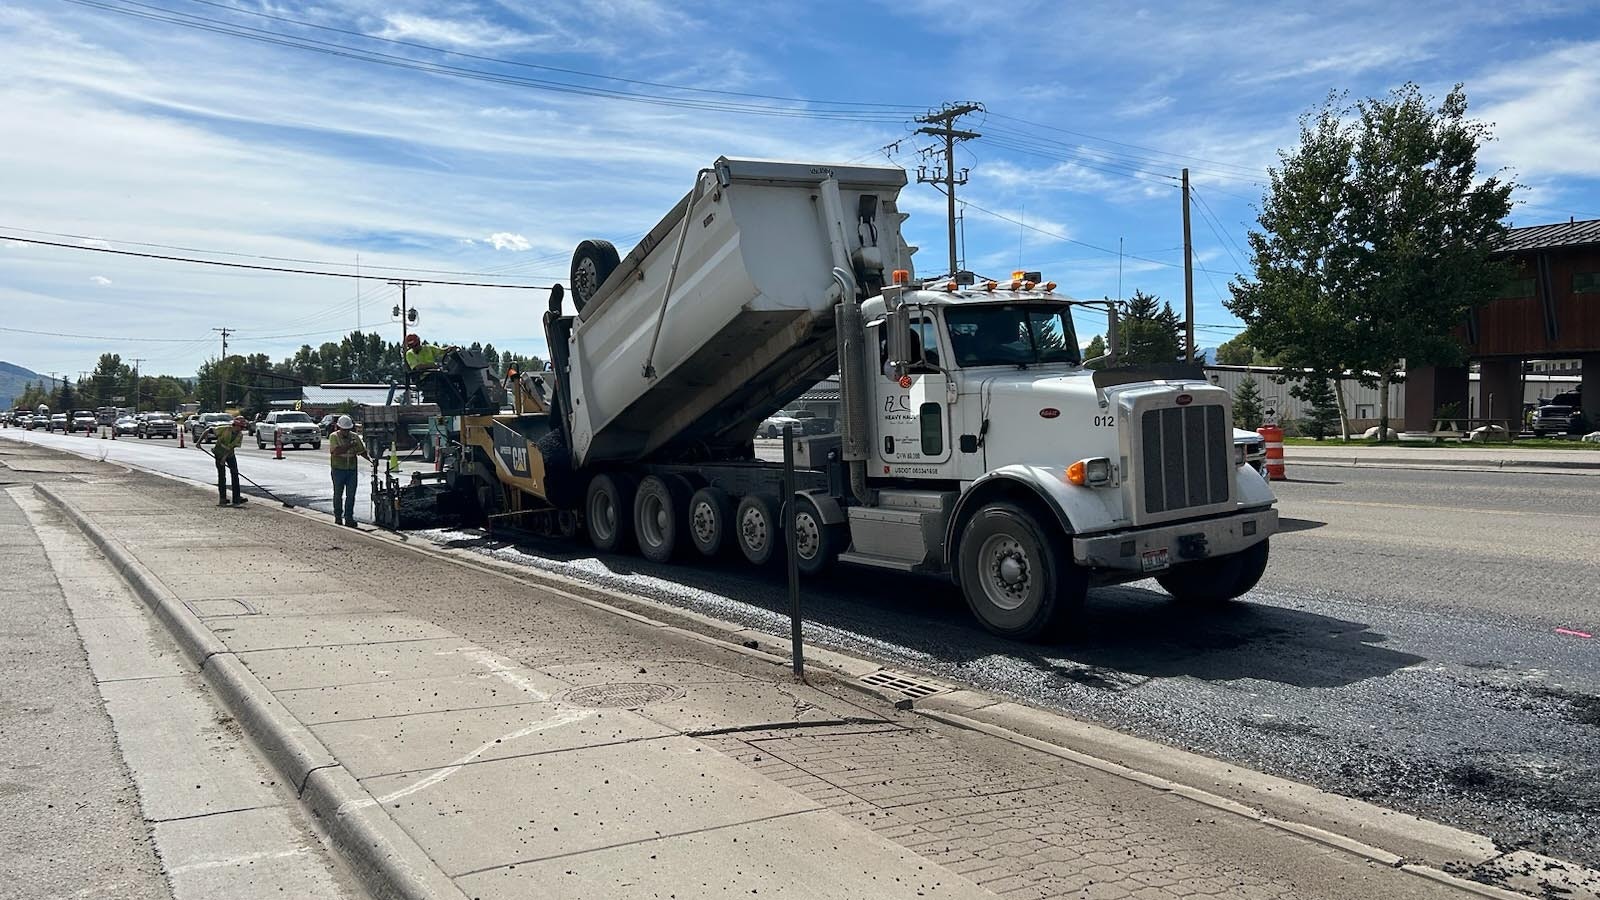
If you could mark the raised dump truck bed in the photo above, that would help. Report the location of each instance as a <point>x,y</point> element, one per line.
<point>725,310</point>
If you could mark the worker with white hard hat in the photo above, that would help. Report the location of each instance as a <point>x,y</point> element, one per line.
<point>344,446</point>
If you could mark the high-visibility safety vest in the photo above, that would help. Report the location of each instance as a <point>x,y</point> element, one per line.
<point>425,355</point>
<point>228,440</point>
<point>344,447</point>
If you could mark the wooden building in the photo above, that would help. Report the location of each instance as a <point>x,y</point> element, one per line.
<point>1549,310</point>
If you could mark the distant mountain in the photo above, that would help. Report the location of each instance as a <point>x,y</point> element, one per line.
<point>14,380</point>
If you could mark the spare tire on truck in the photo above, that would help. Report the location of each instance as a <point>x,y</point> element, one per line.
<point>592,263</point>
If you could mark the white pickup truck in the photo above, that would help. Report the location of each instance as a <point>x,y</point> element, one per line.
<point>292,428</point>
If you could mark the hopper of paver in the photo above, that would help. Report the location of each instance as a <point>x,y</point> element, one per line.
<point>725,310</point>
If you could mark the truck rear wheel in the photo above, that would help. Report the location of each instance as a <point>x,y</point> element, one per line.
<point>816,543</point>
<point>592,263</point>
<point>1217,580</point>
<point>756,528</point>
<point>608,512</point>
<point>658,517</point>
<point>1015,582</point>
<point>710,517</point>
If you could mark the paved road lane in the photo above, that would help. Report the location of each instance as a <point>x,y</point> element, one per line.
<point>301,477</point>
<point>1401,648</point>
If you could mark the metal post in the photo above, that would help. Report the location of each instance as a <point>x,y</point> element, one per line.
<point>797,648</point>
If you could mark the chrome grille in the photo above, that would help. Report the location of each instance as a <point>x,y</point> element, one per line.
<point>1187,457</point>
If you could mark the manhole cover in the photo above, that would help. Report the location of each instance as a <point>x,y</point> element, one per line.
<point>620,696</point>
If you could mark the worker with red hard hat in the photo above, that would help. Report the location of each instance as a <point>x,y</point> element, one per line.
<point>421,355</point>
<point>229,437</point>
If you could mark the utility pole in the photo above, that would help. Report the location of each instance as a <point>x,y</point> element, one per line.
<point>222,383</point>
<point>136,361</point>
<point>942,125</point>
<point>406,316</point>
<point>1188,278</point>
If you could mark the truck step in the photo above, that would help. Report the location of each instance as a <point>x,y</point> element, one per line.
<point>878,562</point>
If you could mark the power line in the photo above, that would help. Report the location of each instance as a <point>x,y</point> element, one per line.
<point>217,26</point>
<point>1063,238</point>
<point>289,271</point>
<point>1180,156</point>
<point>545,68</point>
<point>292,259</point>
<point>101,337</point>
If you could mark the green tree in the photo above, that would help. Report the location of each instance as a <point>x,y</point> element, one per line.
<point>1322,412</point>
<point>1375,241</point>
<point>1238,351</point>
<point>1096,349</point>
<point>64,398</point>
<point>1148,334</point>
<point>1247,404</point>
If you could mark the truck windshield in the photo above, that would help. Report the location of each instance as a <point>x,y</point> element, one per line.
<point>1012,334</point>
<point>294,417</point>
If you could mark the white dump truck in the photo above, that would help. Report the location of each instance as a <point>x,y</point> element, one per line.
<point>973,444</point>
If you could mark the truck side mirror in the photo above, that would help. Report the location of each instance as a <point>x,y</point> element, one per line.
<point>898,328</point>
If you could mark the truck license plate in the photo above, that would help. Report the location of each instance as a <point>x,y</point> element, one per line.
<point>1155,560</point>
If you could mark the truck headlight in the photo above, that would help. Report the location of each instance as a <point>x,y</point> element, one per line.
<point>1240,453</point>
<point>1092,472</point>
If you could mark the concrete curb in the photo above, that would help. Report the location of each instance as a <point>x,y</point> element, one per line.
<point>391,865</point>
<point>1468,464</point>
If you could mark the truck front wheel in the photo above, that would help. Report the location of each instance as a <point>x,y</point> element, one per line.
<point>608,512</point>
<point>1217,580</point>
<point>1013,579</point>
<point>816,543</point>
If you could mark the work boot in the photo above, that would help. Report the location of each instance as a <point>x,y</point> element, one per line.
<point>338,520</point>
<point>350,523</point>
<point>223,502</point>
<point>240,501</point>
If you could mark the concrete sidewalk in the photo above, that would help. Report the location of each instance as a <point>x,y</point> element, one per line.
<point>464,733</point>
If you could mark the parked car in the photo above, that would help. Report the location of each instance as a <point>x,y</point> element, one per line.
<point>157,425</point>
<point>82,420</point>
<point>203,427</point>
<point>126,425</point>
<point>811,423</point>
<point>1561,414</point>
<point>293,428</point>
<point>772,426</point>
<point>58,422</point>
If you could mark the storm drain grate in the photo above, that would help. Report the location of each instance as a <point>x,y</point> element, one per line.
<point>901,683</point>
<point>627,695</point>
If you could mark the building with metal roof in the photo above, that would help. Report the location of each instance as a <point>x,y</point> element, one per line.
<point>1548,310</point>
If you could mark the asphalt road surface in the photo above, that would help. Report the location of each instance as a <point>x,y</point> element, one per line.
<point>1415,641</point>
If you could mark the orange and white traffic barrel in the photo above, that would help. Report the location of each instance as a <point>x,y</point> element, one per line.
<point>1273,436</point>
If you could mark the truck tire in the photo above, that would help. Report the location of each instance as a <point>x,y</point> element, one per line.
<point>1218,580</point>
<point>592,263</point>
<point>756,528</point>
<point>1014,579</point>
<point>710,517</point>
<point>608,512</point>
<point>659,516</point>
<point>817,544</point>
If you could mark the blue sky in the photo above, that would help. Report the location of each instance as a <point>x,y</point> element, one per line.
<point>135,130</point>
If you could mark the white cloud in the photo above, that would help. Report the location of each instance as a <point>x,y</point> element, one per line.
<point>1543,113</point>
<point>453,32</point>
<point>100,280</point>
<point>505,240</point>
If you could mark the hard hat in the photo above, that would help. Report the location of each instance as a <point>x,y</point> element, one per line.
<point>412,340</point>
<point>346,423</point>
